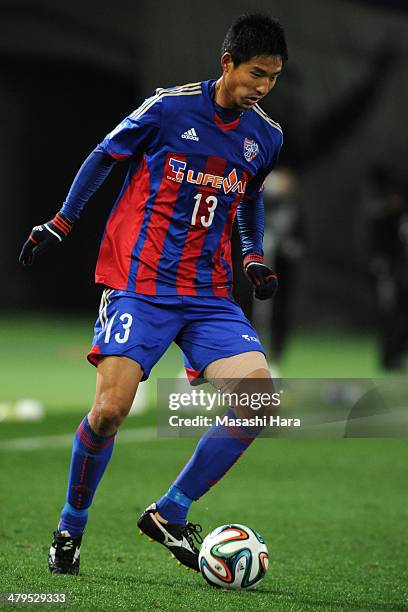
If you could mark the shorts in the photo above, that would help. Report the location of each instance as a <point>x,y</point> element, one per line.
<point>142,327</point>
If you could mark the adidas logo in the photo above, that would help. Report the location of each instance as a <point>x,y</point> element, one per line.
<point>190,135</point>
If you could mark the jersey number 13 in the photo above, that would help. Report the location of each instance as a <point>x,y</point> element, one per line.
<point>204,220</point>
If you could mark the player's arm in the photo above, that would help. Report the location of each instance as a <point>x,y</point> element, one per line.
<point>251,224</point>
<point>132,136</point>
<point>90,177</point>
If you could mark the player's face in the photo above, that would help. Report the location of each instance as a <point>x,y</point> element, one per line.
<point>242,86</point>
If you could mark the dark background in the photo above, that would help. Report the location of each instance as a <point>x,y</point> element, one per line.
<point>70,71</point>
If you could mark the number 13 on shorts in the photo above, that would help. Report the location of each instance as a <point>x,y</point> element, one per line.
<point>121,336</point>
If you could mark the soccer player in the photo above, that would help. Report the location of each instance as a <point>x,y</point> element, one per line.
<point>197,155</point>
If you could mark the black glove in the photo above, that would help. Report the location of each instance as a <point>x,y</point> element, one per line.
<point>43,237</point>
<point>264,280</point>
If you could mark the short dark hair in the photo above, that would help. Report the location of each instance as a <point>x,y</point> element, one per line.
<point>254,34</point>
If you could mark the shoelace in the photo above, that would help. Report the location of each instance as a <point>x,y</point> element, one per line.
<point>192,532</point>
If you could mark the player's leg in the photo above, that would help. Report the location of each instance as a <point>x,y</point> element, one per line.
<point>116,384</point>
<point>216,452</point>
<point>124,350</point>
<point>221,446</point>
<point>117,380</point>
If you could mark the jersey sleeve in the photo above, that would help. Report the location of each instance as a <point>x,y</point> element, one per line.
<point>89,178</point>
<point>251,225</point>
<point>137,133</point>
<point>251,211</point>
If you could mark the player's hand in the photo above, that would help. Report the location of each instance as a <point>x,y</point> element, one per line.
<point>43,237</point>
<point>263,278</point>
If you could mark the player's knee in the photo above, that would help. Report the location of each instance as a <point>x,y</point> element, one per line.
<point>109,411</point>
<point>255,395</point>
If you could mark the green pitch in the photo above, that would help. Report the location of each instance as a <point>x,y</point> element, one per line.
<point>333,512</point>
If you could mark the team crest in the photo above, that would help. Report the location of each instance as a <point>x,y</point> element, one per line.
<point>251,149</point>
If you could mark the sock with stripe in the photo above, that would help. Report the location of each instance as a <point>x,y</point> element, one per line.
<point>90,456</point>
<point>216,452</point>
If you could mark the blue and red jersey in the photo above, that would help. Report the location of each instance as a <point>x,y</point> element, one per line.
<point>170,228</point>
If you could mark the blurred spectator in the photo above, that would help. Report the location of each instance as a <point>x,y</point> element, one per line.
<point>284,247</point>
<point>386,208</point>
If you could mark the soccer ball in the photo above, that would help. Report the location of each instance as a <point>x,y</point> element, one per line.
<point>233,557</point>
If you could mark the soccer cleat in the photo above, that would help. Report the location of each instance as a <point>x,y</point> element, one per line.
<point>63,557</point>
<point>179,539</point>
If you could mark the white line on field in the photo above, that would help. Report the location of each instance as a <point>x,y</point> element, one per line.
<point>141,434</point>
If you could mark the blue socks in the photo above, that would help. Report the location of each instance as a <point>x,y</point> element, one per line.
<point>90,456</point>
<point>174,505</point>
<point>217,451</point>
<point>73,520</point>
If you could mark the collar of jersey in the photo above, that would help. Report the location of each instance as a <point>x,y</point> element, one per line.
<point>226,126</point>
